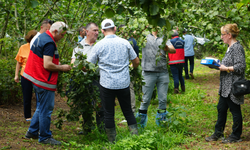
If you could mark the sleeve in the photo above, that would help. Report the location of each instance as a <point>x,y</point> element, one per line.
<point>75,50</point>
<point>93,56</point>
<point>49,49</point>
<point>18,56</point>
<point>168,43</point>
<point>132,54</point>
<point>239,60</point>
<point>135,47</point>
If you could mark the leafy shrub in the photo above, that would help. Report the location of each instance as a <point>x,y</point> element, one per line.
<point>10,91</point>
<point>145,141</point>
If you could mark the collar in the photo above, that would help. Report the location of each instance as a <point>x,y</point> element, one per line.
<point>175,37</point>
<point>110,36</point>
<point>48,32</point>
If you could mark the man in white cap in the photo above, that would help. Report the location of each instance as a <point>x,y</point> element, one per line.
<point>113,54</point>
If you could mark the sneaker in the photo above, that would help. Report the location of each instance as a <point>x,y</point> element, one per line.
<point>214,138</point>
<point>51,141</point>
<point>28,135</point>
<point>231,139</point>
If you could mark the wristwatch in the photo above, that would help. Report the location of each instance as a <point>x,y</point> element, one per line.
<point>228,70</point>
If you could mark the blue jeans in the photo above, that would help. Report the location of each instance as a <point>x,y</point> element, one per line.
<point>177,70</point>
<point>40,121</point>
<point>161,79</point>
<point>191,63</point>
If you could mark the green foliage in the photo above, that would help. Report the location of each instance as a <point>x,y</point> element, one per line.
<point>83,96</point>
<point>10,91</point>
<point>146,141</point>
<point>177,119</point>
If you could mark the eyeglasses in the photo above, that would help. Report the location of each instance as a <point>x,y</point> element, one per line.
<point>223,34</point>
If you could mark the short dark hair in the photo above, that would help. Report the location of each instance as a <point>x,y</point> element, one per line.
<point>81,28</point>
<point>46,21</point>
<point>30,35</point>
<point>89,24</point>
<point>109,29</point>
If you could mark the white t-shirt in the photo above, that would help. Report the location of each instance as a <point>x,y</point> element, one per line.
<point>34,38</point>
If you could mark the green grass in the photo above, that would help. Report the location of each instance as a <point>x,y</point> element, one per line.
<point>192,120</point>
<point>193,116</point>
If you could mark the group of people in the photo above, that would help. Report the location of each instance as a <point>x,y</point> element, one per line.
<point>113,54</point>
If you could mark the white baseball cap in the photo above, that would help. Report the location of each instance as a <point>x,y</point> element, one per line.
<point>104,22</point>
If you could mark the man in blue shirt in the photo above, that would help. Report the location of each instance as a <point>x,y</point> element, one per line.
<point>189,54</point>
<point>113,54</point>
<point>82,32</point>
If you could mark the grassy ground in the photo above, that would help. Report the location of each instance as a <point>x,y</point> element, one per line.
<point>193,116</point>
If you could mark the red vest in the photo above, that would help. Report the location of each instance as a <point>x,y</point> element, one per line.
<point>177,57</point>
<point>34,69</point>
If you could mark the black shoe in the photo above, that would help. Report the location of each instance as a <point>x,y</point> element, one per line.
<point>214,138</point>
<point>51,141</point>
<point>28,135</point>
<point>231,139</point>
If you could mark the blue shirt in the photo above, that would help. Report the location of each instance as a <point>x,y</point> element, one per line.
<point>80,38</point>
<point>113,54</point>
<point>189,45</point>
<point>136,48</point>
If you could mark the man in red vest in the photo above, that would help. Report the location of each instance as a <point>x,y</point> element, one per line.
<point>176,62</point>
<point>42,70</point>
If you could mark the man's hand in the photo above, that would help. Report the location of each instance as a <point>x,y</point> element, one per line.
<point>170,49</point>
<point>66,68</point>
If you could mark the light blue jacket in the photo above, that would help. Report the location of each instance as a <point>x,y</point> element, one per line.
<point>189,45</point>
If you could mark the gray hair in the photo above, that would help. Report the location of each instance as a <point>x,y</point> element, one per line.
<point>59,26</point>
<point>89,25</point>
<point>175,33</point>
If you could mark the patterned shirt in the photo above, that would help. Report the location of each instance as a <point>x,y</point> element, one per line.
<point>150,53</point>
<point>113,54</point>
<point>235,57</point>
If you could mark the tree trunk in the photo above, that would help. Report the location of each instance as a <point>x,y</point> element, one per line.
<point>4,28</point>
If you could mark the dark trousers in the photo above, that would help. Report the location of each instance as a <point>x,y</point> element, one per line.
<point>177,70</point>
<point>191,63</point>
<point>108,100</point>
<point>27,88</point>
<point>222,107</point>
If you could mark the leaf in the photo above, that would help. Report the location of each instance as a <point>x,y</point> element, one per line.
<point>120,9</point>
<point>239,5</point>
<point>34,4</point>
<point>168,25</point>
<point>183,114</point>
<point>245,1</point>
<point>161,22</point>
<point>153,9</point>
<point>176,122</point>
<point>109,12</point>
<point>131,12</point>
<point>142,1</point>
